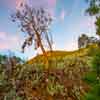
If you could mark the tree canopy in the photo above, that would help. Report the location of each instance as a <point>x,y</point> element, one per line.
<point>35,22</point>
<point>94,10</point>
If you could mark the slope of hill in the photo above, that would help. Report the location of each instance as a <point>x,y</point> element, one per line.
<point>83,52</point>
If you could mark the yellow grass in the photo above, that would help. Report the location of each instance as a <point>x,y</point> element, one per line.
<point>55,54</point>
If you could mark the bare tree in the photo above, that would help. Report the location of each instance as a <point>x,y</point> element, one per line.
<point>35,22</point>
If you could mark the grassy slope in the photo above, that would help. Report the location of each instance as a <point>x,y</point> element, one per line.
<point>62,54</point>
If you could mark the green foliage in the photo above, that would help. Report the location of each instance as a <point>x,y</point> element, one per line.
<point>93,78</point>
<point>31,81</point>
<point>90,78</point>
<point>94,7</point>
<point>94,10</point>
<point>93,50</point>
<point>11,95</point>
<point>96,62</point>
<point>2,58</point>
<point>53,89</point>
<point>97,23</point>
<point>36,79</point>
<point>94,94</point>
<point>89,96</point>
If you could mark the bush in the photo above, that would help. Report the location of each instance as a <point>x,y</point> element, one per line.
<point>90,78</point>
<point>93,78</point>
<point>96,62</point>
<point>94,94</point>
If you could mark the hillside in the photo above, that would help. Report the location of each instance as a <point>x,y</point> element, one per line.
<point>83,52</point>
<point>63,80</point>
<point>69,68</point>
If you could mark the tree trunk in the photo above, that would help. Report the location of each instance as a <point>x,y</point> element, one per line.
<point>42,47</point>
<point>43,50</point>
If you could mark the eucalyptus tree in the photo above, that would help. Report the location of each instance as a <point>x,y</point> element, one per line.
<point>36,23</point>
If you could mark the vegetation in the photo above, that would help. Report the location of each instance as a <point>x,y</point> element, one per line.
<point>93,78</point>
<point>62,81</point>
<point>35,22</point>
<point>94,10</point>
<point>70,75</point>
<point>84,41</point>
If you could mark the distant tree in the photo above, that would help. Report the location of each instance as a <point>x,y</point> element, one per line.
<point>94,10</point>
<point>82,41</point>
<point>35,22</point>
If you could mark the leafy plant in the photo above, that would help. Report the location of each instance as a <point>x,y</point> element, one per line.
<point>96,62</point>
<point>56,88</point>
<point>90,78</point>
<point>93,78</point>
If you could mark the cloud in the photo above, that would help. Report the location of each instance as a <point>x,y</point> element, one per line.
<point>2,35</point>
<point>3,46</point>
<point>87,24</point>
<point>74,6</point>
<point>12,4</point>
<point>8,41</point>
<point>71,45</point>
<point>50,4</point>
<point>62,14</point>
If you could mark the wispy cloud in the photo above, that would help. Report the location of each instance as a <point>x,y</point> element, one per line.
<point>87,23</point>
<point>50,4</point>
<point>2,35</point>
<point>62,14</point>
<point>8,41</point>
<point>36,3</point>
<point>74,6</point>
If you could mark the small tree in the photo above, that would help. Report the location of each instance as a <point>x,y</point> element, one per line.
<point>35,22</point>
<point>83,41</point>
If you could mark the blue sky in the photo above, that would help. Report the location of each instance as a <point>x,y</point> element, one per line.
<point>70,21</point>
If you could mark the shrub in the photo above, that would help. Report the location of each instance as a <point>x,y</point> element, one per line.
<point>90,78</point>
<point>93,78</point>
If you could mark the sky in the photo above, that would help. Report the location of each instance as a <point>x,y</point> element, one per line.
<point>70,21</point>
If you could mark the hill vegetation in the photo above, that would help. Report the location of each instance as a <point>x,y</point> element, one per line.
<point>62,81</point>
